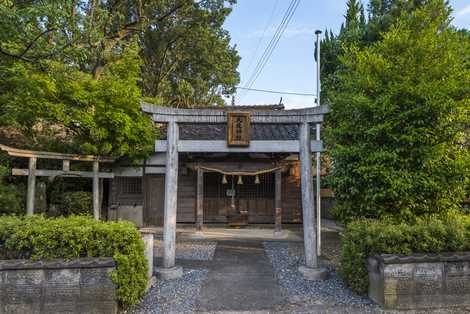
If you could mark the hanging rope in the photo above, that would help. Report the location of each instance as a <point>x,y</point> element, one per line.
<point>240,173</point>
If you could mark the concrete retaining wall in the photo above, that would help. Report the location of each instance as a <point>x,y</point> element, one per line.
<point>420,281</point>
<point>77,286</point>
<point>133,214</point>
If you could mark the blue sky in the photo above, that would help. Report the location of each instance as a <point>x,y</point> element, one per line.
<point>291,67</point>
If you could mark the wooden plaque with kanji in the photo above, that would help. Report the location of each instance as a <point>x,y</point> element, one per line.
<point>238,128</point>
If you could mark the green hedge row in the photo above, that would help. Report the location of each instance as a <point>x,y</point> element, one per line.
<point>367,237</point>
<point>37,237</point>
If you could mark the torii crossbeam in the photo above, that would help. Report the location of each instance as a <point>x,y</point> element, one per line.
<point>32,172</point>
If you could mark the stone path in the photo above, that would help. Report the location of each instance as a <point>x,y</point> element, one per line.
<point>240,278</point>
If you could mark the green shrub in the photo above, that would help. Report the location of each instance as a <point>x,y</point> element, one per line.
<point>10,199</point>
<point>367,237</point>
<point>37,237</point>
<point>74,203</point>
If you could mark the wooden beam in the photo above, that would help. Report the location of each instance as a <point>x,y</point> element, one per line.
<point>200,199</point>
<point>96,191</point>
<point>161,118</point>
<point>278,202</point>
<point>193,146</point>
<point>66,165</point>
<point>137,172</point>
<point>51,155</point>
<point>213,115</point>
<point>31,186</point>
<point>61,173</point>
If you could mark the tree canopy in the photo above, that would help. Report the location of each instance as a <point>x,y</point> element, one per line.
<point>72,73</point>
<point>399,113</point>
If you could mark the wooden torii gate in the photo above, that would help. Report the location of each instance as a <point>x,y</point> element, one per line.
<point>32,172</point>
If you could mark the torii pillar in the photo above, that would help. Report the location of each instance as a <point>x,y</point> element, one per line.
<point>311,270</point>
<point>168,269</point>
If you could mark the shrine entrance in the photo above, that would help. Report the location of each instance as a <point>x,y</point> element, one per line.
<point>239,200</point>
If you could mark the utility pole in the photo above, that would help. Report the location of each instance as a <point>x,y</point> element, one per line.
<point>318,154</point>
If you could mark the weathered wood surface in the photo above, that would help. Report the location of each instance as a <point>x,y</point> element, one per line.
<point>238,128</point>
<point>61,173</point>
<point>137,172</point>
<point>220,146</point>
<point>31,185</point>
<point>200,199</point>
<point>96,190</point>
<point>318,190</point>
<point>168,114</point>
<point>65,165</point>
<point>51,155</point>
<point>310,241</point>
<point>278,201</point>
<point>187,202</point>
<point>171,197</point>
<point>154,200</point>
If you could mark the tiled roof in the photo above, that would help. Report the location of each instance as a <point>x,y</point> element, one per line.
<point>250,108</point>
<point>259,132</point>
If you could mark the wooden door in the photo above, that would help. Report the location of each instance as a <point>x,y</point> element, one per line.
<point>256,199</point>
<point>154,198</point>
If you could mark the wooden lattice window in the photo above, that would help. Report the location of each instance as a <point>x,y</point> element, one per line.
<point>130,186</point>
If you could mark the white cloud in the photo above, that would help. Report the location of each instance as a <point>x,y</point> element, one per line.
<point>291,31</point>
<point>464,11</point>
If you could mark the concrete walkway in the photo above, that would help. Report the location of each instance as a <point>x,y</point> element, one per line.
<point>240,279</point>
<point>263,232</point>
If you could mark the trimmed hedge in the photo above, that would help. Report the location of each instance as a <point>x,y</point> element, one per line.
<point>367,237</point>
<point>37,237</point>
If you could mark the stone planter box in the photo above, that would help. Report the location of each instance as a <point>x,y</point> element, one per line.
<point>420,281</point>
<point>78,286</point>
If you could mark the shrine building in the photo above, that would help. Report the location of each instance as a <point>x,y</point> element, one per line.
<point>234,165</point>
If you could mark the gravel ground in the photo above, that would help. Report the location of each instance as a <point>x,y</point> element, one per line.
<point>286,258</point>
<point>189,249</point>
<point>173,296</point>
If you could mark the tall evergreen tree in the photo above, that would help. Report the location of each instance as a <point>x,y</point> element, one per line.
<point>397,125</point>
<point>352,32</point>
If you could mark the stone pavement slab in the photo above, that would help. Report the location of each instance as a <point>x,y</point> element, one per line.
<point>240,279</point>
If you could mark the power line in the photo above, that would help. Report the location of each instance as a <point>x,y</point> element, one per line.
<point>273,43</point>
<point>268,22</point>
<point>275,92</point>
<point>267,51</point>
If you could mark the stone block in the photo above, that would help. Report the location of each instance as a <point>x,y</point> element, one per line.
<point>147,235</point>
<point>23,287</point>
<point>61,285</point>
<point>78,286</point>
<point>97,307</point>
<point>420,281</point>
<point>96,284</point>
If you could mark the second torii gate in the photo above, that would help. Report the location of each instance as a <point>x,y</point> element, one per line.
<point>32,172</point>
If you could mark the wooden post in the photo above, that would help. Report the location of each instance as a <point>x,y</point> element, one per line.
<point>66,165</point>
<point>310,241</point>
<point>31,186</point>
<point>318,191</point>
<point>277,202</point>
<point>171,191</point>
<point>96,190</point>
<point>200,200</point>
